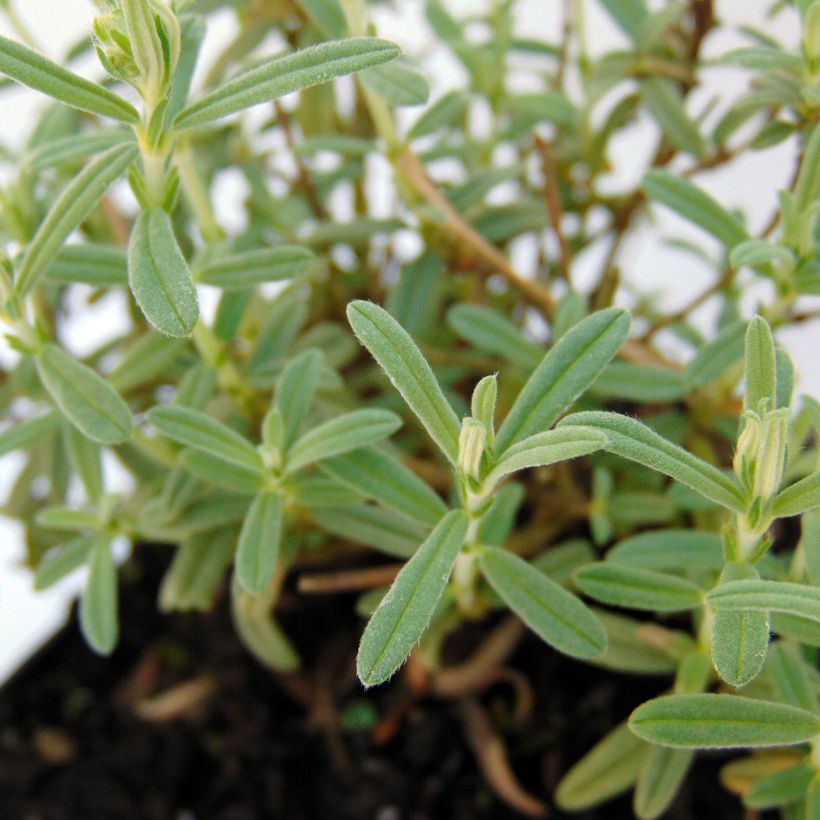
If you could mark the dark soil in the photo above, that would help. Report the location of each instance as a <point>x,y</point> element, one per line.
<point>265,746</point>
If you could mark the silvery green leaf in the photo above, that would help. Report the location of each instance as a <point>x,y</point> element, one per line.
<point>663,101</point>
<point>246,270</point>
<point>780,788</point>
<point>145,46</point>
<point>25,433</point>
<point>693,204</point>
<point>382,477</point>
<point>710,721</point>
<point>784,367</point>
<point>630,15</point>
<point>740,639</point>
<point>543,449</point>
<point>199,564</point>
<point>294,392</point>
<point>327,15</point>
<point>807,189</point>
<point>800,629</point>
<point>810,544</point>
<point>543,106</point>
<point>63,560</point>
<point>85,398</point>
<point>316,491</point>
<point>568,369</point>
<point>67,518</point>
<point>32,69</point>
<point>607,769</point>
<point>491,332</point>
<point>73,205</point>
<point>761,368</point>
<point>287,73</point>
<point>762,57</point>
<point>715,357</point>
<point>756,252</point>
<point>159,277</point>
<point>375,527</point>
<point>405,612</point>
<point>74,148</point>
<point>95,265</point>
<point>639,382</point>
<point>482,405</point>
<point>196,387</point>
<point>669,549</point>
<point>445,111</point>
<point>636,588</point>
<point>258,550</point>
<point>226,474</point>
<point>340,435</point>
<point>660,778</point>
<point>553,613</point>
<point>791,677</point>
<point>415,299</point>
<point>631,647</point>
<point>201,432</point>
<point>773,596</point>
<point>397,83</point>
<point>405,366</point>
<point>499,520</point>
<point>98,603</point>
<point>86,460</point>
<point>630,438</point>
<point>798,498</point>
<point>192,33</point>
<point>149,358</point>
<point>560,561</point>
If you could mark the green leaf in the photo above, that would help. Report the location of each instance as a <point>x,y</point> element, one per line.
<point>482,405</point>
<point>663,101</point>
<point>340,435</point>
<point>629,438</point>
<point>568,369</point>
<point>740,640</point>
<point>379,476</point>
<point>63,560</point>
<point>25,433</point>
<point>86,399</point>
<point>721,722</point>
<point>313,491</point>
<point>499,520</point>
<point>633,646</point>
<point>67,518</point>
<point>159,275</point>
<point>29,68</point>
<point>74,148</point>
<point>405,366</point>
<point>773,596</point>
<point>559,561</point>
<point>201,432</point>
<point>693,204</point>
<point>252,268</point>
<point>73,205</point>
<point>800,629</point>
<point>780,789</point>
<point>660,778</point>
<point>397,83</point>
<point>258,550</point>
<point>98,603</point>
<point>547,448</point>
<point>716,357</point>
<point>669,549</point>
<point>95,265</point>
<point>404,613</point>
<point>192,33</point>
<point>807,189</point>
<point>639,383</point>
<point>635,588</point>
<point>630,15</point>
<point>792,679</point>
<point>294,392</point>
<point>226,474</point>
<point>445,111</point>
<point>761,370</point>
<point>553,613</point>
<point>380,529</point>
<point>809,543</point>
<point>800,497</point>
<point>606,770</point>
<point>286,73</point>
<point>326,15</point>
<point>85,459</point>
<point>494,333</point>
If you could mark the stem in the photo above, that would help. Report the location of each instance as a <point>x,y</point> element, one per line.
<point>197,194</point>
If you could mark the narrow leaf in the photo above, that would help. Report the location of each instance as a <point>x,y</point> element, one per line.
<point>98,604</point>
<point>28,432</point>
<point>294,392</point>
<point>661,775</point>
<point>761,370</point>
<point>780,788</point>
<point>568,369</point>
<point>258,550</point>
<point>721,722</point>
<point>404,613</point>
<point>397,83</point>
<point>226,474</point>
<point>252,268</point>
<point>553,613</point>
<point>663,101</point>
<point>800,497</point>
<point>63,560</point>
<point>669,549</point>
<point>774,596</point>
<point>284,74</point>
<point>159,275</point>
<point>95,265</point>
<point>405,366</point>
<point>494,333</point>
<point>86,399</point>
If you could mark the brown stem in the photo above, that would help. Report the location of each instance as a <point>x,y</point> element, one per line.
<point>552,200</point>
<point>348,580</point>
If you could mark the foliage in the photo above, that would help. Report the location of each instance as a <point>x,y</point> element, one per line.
<point>345,395</point>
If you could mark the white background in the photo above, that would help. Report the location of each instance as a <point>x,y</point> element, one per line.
<point>26,618</point>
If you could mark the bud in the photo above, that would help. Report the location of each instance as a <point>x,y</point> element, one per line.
<point>771,453</point>
<point>746,451</point>
<point>471,446</point>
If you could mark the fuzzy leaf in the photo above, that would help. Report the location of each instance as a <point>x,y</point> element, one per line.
<point>63,560</point>
<point>761,370</point>
<point>72,206</point>
<point>553,613</point>
<point>669,549</point>
<point>492,332</point>
<point>28,432</point>
<point>780,789</point>
<point>663,101</point>
<point>397,83</point>
<point>568,369</point>
<point>95,265</point>
<point>98,603</point>
<point>252,268</point>
<point>405,366</point>
<point>405,612</point>
<point>660,778</point>
<point>773,596</point>
<point>714,358</point>
<point>159,275</point>
<point>721,722</point>
<point>85,398</point>
<point>294,392</point>
<point>800,497</point>
<point>226,474</point>
<point>287,73</point>
<point>258,550</point>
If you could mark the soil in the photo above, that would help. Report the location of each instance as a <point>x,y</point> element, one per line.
<point>241,743</point>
